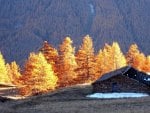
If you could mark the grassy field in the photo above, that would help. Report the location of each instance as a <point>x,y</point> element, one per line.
<point>73,100</point>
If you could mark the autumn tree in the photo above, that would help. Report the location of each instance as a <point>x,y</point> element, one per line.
<point>86,61</point>
<point>109,59</point>
<point>139,61</point>
<point>146,67</point>
<point>100,64</point>
<point>132,53</point>
<point>38,76</point>
<point>135,58</point>
<point>4,78</point>
<point>13,71</point>
<point>50,54</point>
<point>118,58</point>
<point>104,60</point>
<point>67,63</point>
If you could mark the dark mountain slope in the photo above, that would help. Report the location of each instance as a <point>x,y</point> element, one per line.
<point>24,24</point>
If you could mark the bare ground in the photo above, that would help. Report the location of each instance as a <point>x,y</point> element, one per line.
<point>73,100</point>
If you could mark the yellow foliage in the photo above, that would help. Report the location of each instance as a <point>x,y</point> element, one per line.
<point>86,61</point>
<point>146,67</point>
<point>13,71</point>
<point>66,64</point>
<point>50,54</point>
<point>109,59</point>
<point>4,78</point>
<point>132,53</point>
<point>118,57</point>
<point>38,76</point>
<point>135,58</point>
<point>47,69</point>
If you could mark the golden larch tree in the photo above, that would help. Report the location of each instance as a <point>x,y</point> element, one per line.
<point>135,58</point>
<point>109,59</point>
<point>100,64</point>
<point>86,61</point>
<point>118,57</point>
<point>4,78</point>
<point>67,63</point>
<point>38,76</point>
<point>139,61</point>
<point>104,60</point>
<point>50,54</point>
<point>146,67</point>
<point>13,71</point>
<point>132,53</point>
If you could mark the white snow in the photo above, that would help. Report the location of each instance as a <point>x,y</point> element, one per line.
<point>148,73</point>
<point>147,79</point>
<point>15,97</point>
<point>116,95</point>
<point>92,8</point>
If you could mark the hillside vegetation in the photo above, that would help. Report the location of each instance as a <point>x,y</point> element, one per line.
<point>51,68</point>
<point>25,24</point>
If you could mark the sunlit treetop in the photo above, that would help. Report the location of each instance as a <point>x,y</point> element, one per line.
<point>4,78</point>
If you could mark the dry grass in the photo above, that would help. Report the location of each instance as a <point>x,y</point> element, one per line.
<point>73,100</point>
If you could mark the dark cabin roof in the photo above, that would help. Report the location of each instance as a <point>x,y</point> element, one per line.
<point>138,75</point>
<point>113,73</point>
<point>127,71</point>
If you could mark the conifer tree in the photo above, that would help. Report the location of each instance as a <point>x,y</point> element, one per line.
<point>109,59</point>
<point>13,71</point>
<point>146,67</point>
<point>86,61</point>
<point>50,54</point>
<point>118,57</point>
<point>132,53</point>
<point>38,76</point>
<point>135,58</point>
<point>104,60</point>
<point>4,78</point>
<point>139,61</point>
<point>67,64</point>
<point>100,64</point>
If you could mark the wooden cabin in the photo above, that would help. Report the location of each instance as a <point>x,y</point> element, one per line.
<point>126,79</point>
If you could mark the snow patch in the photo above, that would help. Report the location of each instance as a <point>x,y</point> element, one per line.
<point>116,95</point>
<point>15,97</point>
<point>147,79</point>
<point>92,8</point>
<point>148,73</point>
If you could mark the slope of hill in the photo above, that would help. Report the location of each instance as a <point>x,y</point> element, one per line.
<point>25,24</point>
<point>73,100</point>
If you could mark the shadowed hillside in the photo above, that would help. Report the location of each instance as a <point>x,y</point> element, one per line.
<point>25,24</point>
<point>73,100</point>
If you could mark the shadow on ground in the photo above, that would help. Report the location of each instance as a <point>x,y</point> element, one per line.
<point>73,100</point>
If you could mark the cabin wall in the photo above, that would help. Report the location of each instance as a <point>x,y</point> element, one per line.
<point>123,83</point>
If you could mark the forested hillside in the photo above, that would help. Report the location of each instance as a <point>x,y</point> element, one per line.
<point>52,68</point>
<point>25,24</point>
